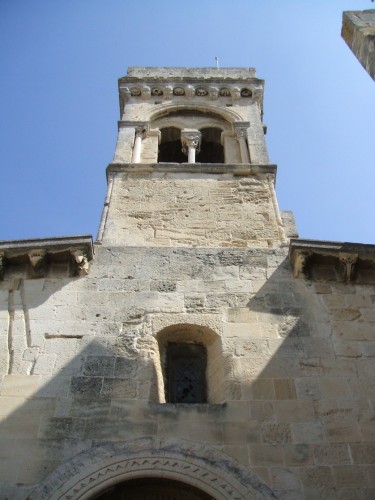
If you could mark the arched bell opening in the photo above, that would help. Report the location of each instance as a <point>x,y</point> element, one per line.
<point>212,151</point>
<point>152,489</point>
<point>170,148</point>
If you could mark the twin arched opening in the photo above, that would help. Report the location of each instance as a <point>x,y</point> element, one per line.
<point>209,150</point>
<point>189,135</point>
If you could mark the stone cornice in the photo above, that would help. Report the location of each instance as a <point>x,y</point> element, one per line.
<point>199,168</point>
<point>332,261</point>
<point>33,258</point>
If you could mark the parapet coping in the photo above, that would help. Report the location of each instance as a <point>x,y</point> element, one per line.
<point>51,245</point>
<point>33,258</point>
<point>180,73</point>
<point>349,257</point>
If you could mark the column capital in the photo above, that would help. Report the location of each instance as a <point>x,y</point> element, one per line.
<point>191,139</point>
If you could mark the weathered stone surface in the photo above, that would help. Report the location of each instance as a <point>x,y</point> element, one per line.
<point>358,31</point>
<point>194,254</point>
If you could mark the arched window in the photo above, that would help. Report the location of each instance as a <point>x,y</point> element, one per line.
<point>170,148</point>
<point>212,150</point>
<point>191,365</point>
<point>186,373</point>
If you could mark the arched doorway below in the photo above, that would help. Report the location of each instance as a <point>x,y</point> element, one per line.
<point>152,489</point>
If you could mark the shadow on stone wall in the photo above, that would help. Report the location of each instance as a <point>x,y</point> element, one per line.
<point>291,412</point>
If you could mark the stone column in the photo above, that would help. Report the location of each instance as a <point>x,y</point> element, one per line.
<point>191,140</point>
<point>241,139</point>
<point>137,149</point>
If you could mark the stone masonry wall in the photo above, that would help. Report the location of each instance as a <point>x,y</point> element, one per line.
<point>175,209</point>
<point>358,31</point>
<point>81,367</point>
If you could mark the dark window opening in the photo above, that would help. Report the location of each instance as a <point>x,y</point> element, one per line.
<point>170,148</point>
<point>152,489</point>
<point>211,150</point>
<point>186,373</point>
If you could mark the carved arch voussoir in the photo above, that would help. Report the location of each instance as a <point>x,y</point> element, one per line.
<point>93,471</point>
<point>226,113</point>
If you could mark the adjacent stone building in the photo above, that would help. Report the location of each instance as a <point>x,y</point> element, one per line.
<point>198,349</point>
<point>358,31</point>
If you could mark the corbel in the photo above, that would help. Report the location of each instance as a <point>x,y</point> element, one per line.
<point>38,262</point>
<point>81,263</point>
<point>300,265</point>
<point>348,262</point>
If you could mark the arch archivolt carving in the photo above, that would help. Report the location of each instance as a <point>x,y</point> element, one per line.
<point>93,471</point>
<point>220,113</point>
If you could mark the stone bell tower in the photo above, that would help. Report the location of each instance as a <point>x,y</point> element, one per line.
<point>191,166</point>
<point>185,354</point>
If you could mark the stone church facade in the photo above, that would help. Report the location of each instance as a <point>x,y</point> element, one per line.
<point>198,349</point>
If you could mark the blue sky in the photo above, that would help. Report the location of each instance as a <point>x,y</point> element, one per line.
<point>60,61</point>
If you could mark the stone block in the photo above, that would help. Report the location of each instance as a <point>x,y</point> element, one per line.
<point>261,389</point>
<point>9,404</point>
<point>266,455</point>
<point>342,432</point>
<point>234,433</point>
<point>285,389</point>
<point>319,478</point>
<point>285,479</point>
<point>363,453</point>
<point>61,428</point>
<point>307,432</point>
<point>349,476</point>
<point>276,433</point>
<point>119,388</point>
<point>99,366</point>
<point>20,385</point>
<point>294,410</point>
<point>89,387</point>
<point>298,454</point>
<point>332,454</point>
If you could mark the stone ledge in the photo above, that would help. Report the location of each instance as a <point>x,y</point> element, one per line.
<point>332,261</point>
<point>33,258</point>
<point>240,169</point>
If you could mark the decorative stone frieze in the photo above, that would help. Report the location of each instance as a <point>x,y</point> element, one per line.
<point>35,258</point>
<point>179,91</point>
<point>190,91</point>
<point>224,92</point>
<point>168,91</point>
<point>213,93</point>
<point>146,92</point>
<point>135,92</point>
<point>246,93</point>
<point>156,91</point>
<point>332,261</point>
<point>235,93</point>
